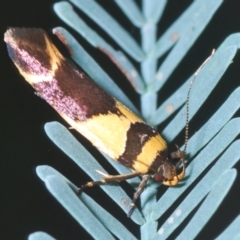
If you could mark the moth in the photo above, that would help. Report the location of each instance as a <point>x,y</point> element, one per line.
<point>104,121</point>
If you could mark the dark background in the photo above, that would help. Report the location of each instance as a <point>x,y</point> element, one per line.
<point>25,204</point>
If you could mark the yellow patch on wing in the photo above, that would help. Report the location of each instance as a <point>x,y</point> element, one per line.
<point>106,132</point>
<point>129,114</point>
<point>149,152</point>
<point>55,58</point>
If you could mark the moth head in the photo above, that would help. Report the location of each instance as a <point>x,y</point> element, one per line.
<point>168,173</point>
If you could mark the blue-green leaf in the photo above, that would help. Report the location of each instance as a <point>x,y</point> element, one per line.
<point>153,10</point>
<point>226,161</point>
<point>215,123</point>
<point>214,134</point>
<point>200,163</point>
<point>232,231</point>
<point>100,214</point>
<point>205,83</point>
<point>148,229</point>
<point>64,194</point>
<point>187,28</point>
<point>131,10</point>
<point>111,27</point>
<point>40,236</point>
<point>178,98</point>
<point>210,205</point>
<point>70,146</point>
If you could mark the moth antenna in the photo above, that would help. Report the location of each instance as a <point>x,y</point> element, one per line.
<point>187,106</point>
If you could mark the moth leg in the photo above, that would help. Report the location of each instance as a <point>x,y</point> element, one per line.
<point>109,178</point>
<point>138,193</point>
